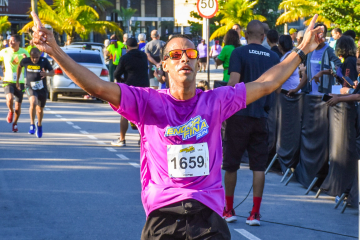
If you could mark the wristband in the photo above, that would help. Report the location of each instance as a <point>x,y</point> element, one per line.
<point>301,54</point>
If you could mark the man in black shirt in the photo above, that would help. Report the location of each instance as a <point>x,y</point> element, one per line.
<point>273,39</point>
<point>134,66</point>
<point>247,129</point>
<point>36,87</point>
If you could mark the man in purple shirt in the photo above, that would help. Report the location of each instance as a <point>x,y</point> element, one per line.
<point>180,129</point>
<point>202,49</point>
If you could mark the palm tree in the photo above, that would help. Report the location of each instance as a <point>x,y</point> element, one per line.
<point>296,9</point>
<point>71,17</point>
<point>235,11</point>
<point>4,24</point>
<point>125,14</point>
<point>101,5</point>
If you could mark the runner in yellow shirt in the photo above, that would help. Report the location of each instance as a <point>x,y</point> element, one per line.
<point>11,57</point>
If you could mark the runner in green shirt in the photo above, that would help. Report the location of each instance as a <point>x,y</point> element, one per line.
<point>115,51</point>
<point>11,57</point>
<point>231,41</point>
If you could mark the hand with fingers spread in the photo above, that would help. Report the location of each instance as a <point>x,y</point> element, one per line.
<point>43,38</point>
<point>313,37</point>
<point>317,77</point>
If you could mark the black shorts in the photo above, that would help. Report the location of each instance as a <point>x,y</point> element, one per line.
<point>11,88</point>
<point>245,133</point>
<point>40,96</point>
<point>188,219</point>
<point>203,59</point>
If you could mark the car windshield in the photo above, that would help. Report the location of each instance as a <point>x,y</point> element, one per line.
<point>85,58</point>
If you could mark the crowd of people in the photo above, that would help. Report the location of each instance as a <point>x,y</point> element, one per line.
<point>181,146</point>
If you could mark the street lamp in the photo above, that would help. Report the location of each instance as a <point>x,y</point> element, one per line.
<point>34,6</point>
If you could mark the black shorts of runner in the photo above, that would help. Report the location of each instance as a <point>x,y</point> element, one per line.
<point>188,219</point>
<point>245,133</point>
<point>203,59</point>
<point>18,94</point>
<point>40,96</point>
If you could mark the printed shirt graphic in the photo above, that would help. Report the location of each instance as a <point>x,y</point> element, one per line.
<point>11,61</point>
<point>163,120</point>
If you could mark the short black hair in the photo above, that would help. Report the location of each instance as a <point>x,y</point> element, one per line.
<point>322,25</point>
<point>17,37</point>
<point>163,52</point>
<point>34,50</point>
<point>350,33</point>
<point>286,43</point>
<point>273,36</point>
<point>345,47</point>
<point>337,30</point>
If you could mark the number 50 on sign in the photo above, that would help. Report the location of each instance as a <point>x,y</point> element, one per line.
<point>207,8</point>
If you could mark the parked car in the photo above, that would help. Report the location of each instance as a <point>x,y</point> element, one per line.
<point>87,44</point>
<point>60,83</point>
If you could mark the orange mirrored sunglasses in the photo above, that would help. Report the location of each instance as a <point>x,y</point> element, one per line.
<point>176,54</point>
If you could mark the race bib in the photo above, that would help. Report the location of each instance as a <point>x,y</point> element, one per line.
<point>37,85</point>
<point>14,77</point>
<point>191,160</point>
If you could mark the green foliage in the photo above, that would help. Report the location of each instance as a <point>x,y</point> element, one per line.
<point>296,9</point>
<point>196,27</point>
<point>344,14</point>
<point>268,9</point>
<point>4,24</point>
<point>71,17</point>
<point>125,14</point>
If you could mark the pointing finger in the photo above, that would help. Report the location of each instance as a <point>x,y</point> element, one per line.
<point>37,22</point>
<point>312,23</point>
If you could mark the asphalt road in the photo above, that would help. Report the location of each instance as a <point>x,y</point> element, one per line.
<point>71,184</point>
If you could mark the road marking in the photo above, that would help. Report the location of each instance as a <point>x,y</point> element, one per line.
<point>84,132</point>
<point>76,127</point>
<point>111,149</point>
<point>91,137</point>
<point>122,156</point>
<point>47,109</point>
<point>52,112</point>
<point>70,123</point>
<point>101,142</point>
<point>134,164</point>
<point>57,115</point>
<point>247,234</point>
<point>64,119</point>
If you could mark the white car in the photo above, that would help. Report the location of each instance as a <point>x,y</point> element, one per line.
<point>62,84</point>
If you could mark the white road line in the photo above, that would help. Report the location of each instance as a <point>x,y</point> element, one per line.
<point>64,119</point>
<point>70,123</point>
<point>100,142</point>
<point>57,115</point>
<point>134,164</point>
<point>84,132</point>
<point>110,149</point>
<point>76,127</point>
<point>91,137</point>
<point>47,109</point>
<point>122,156</point>
<point>247,234</point>
<point>52,112</point>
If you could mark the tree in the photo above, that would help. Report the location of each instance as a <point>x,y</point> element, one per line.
<point>235,11</point>
<point>100,5</point>
<point>72,17</point>
<point>344,14</point>
<point>125,14</point>
<point>268,9</point>
<point>196,27</point>
<point>4,24</point>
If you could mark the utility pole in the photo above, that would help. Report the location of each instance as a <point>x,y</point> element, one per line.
<point>34,6</point>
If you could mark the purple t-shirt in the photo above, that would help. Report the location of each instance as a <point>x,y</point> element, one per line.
<point>316,67</point>
<point>202,49</point>
<point>156,113</point>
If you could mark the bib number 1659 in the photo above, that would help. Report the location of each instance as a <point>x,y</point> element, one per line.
<point>192,162</point>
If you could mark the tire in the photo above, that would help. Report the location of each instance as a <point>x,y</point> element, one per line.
<point>53,96</point>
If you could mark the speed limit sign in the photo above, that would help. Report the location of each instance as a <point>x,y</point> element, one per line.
<point>207,8</point>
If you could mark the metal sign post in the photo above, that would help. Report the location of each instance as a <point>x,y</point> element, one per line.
<point>207,9</point>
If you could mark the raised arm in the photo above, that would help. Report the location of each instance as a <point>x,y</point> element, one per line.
<point>84,78</point>
<point>277,75</point>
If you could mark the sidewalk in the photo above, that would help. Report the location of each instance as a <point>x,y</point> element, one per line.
<point>215,74</point>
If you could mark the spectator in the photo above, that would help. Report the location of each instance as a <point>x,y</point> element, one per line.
<point>237,28</point>
<point>202,49</point>
<point>153,50</point>
<point>348,97</point>
<point>203,85</point>
<point>336,33</point>
<point>272,38</point>
<point>105,52</point>
<point>231,41</point>
<point>292,84</point>
<point>134,66</point>
<point>215,51</point>
<point>247,129</point>
<point>317,62</point>
<point>142,41</point>
<point>266,30</point>
<point>115,52</point>
<point>292,33</point>
<point>299,37</point>
<point>5,44</point>
<point>350,33</point>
